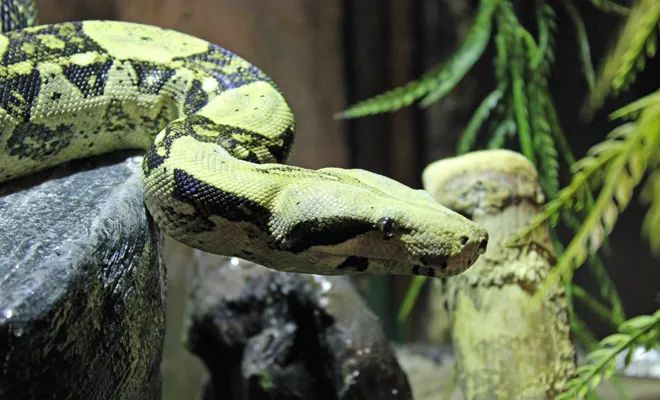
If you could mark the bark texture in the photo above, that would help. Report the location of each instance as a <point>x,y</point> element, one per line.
<point>507,345</point>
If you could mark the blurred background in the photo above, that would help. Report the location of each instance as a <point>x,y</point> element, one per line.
<point>328,54</point>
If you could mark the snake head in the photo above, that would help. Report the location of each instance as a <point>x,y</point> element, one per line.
<point>354,221</point>
<point>330,221</point>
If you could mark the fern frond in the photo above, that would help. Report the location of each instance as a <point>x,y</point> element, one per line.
<point>547,25</point>
<point>601,362</point>
<point>607,289</point>
<point>557,132</point>
<point>610,7</point>
<point>582,42</point>
<point>548,159</point>
<point>651,225</point>
<point>598,308</point>
<point>624,171</point>
<point>632,109</point>
<point>637,41</point>
<point>584,171</point>
<point>502,132</point>
<point>520,101</point>
<point>471,50</point>
<point>469,135</point>
<point>438,81</point>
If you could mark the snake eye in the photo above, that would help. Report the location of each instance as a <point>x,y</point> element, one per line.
<point>387,226</point>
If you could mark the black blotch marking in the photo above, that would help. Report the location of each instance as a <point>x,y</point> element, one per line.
<point>193,224</point>
<point>355,263</point>
<point>17,15</point>
<point>38,142</point>
<point>175,130</point>
<point>70,33</point>
<point>483,245</point>
<point>323,232</point>
<point>215,58</point>
<point>209,200</point>
<point>151,77</point>
<point>440,260</point>
<point>196,98</point>
<point>152,160</point>
<point>280,150</point>
<point>18,93</point>
<point>81,75</point>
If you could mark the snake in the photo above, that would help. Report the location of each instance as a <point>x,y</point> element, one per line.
<point>216,132</point>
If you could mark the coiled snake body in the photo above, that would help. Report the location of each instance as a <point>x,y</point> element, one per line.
<point>215,130</point>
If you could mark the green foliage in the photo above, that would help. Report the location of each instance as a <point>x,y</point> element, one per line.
<point>469,136</point>
<point>636,42</point>
<point>519,113</point>
<point>610,7</point>
<point>582,41</point>
<point>601,362</point>
<point>651,225</point>
<point>409,301</point>
<point>615,167</point>
<point>440,80</point>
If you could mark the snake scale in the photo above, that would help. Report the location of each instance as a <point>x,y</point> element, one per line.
<point>215,130</point>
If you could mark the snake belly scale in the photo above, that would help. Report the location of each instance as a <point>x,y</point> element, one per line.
<point>215,130</point>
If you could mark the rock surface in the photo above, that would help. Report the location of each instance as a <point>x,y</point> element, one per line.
<point>81,285</point>
<point>269,335</point>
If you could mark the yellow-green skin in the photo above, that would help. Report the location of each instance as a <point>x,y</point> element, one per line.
<point>215,129</point>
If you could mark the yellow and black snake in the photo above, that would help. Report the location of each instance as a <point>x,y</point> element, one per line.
<point>215,130</point>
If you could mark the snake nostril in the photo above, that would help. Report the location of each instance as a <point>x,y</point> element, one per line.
<point>464,240</point>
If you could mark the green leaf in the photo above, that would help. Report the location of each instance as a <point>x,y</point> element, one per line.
<point>582,41</point>
<point>632,109</point>
<point>600,363</point>
<point>651,225</point>
<point>633,43</point>
<point>610,7</point>
<point>504,130</point>
<point>438,81</point>
<point>594,305</point>
<point>469,136</point>
<point>465,57</point>
<point>616,157</point>
<point>415,288</point>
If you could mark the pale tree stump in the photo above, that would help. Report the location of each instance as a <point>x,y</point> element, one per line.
<point>506,346</point>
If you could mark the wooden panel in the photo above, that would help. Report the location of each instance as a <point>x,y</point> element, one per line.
<point>296,42</point>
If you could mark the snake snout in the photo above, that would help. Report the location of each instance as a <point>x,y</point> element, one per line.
<point>454,256</point>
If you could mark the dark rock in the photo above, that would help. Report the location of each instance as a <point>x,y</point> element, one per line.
<point>81,285</point>
<point>265,334</point>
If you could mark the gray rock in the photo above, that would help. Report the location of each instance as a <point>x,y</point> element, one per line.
<point>265,334</point>
<point>81,285</point>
